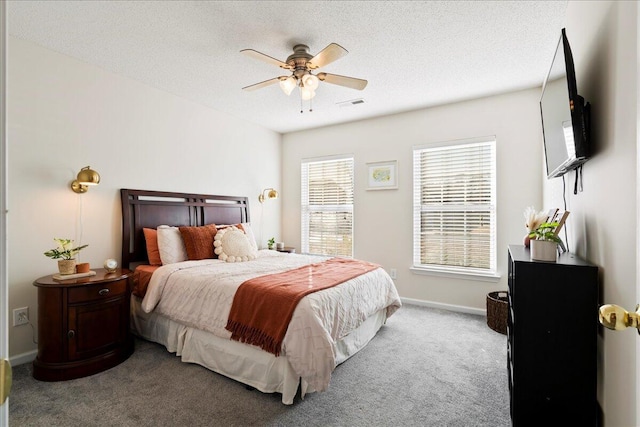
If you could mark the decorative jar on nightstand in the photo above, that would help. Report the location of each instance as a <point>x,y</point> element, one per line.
<point>287,249</point>
<point>83,325</point>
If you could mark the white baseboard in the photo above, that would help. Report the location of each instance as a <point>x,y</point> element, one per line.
<point>450,307</point>
<point>23,358</point>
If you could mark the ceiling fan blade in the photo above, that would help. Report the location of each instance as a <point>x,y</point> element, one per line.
<point>326,56</point>
<point>335,79</point>
<point>263,84</point>
<point>266,58</point>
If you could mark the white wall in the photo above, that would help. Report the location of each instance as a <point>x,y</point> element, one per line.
<point>383,219</point>
<point>602,224</point>
<point>64,114</point>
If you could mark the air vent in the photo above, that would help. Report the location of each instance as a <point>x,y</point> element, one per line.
<point>350,103</point>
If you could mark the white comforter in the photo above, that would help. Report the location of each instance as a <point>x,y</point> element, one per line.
<point>200,294</point>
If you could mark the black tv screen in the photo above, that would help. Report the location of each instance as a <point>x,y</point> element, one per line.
<point>565,117</point>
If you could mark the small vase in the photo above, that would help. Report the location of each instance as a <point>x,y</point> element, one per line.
<point>544,250</point>
<point>67,266</point>
<point>83,267</point>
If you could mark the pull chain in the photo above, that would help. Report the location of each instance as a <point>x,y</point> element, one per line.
<point>300,90</point>
<point>302,101</point>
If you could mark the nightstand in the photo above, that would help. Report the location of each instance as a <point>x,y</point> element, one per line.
<point>287,249</point>
<point>83,325</point>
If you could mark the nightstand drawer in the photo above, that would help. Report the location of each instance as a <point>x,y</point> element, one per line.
<point>97,291</point>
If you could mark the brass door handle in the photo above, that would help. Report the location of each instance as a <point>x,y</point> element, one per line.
<point>5,380</point>
<point>617,318</point>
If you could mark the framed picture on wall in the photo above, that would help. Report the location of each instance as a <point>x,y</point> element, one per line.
<point>382,175</point>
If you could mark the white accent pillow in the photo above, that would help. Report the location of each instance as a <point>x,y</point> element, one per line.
<point>246,226</point>
<point>232,245</point>
<point>170,245</point>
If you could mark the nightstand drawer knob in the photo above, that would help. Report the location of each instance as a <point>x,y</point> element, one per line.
<point>103,291</point>
<point>71,334</point>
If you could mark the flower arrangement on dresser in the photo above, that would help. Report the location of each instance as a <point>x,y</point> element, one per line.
<point>543,229</point>
<point>532,219</point>
<point>65,254</point>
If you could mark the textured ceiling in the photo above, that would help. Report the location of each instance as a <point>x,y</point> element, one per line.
<point>414,54</point>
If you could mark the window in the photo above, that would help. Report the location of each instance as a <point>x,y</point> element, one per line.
<point>327,206</point>
<point>454,207</point>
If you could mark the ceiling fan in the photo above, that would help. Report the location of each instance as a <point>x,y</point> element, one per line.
<point>302,64</point>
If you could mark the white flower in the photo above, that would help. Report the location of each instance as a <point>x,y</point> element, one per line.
<point>533,218</point>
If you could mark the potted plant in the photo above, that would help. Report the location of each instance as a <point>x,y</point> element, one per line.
<point>271,242</point>
<point>544,242</point>
<point>65,254</point>
<point>532,219</point>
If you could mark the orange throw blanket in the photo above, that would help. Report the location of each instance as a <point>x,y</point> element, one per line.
<point>263,306</point>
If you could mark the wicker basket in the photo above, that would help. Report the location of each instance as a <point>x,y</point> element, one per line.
<point>497,310</point>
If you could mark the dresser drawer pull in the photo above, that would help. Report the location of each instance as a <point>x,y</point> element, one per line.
<point>103,291</point>
<point>71,334</point>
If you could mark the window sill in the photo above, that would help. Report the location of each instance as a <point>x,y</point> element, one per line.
<point>465,275</point>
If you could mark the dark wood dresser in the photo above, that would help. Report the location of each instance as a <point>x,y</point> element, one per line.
<point>83,325</point>
<point>552,331</point>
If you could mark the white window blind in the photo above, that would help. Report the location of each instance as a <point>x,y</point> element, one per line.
<point>327,206</point>
<point>454,207</point>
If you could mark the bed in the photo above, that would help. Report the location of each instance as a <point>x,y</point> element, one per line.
<point>326,327</point>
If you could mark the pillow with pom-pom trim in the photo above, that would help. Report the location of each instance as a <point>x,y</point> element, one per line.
<point>232,245</point>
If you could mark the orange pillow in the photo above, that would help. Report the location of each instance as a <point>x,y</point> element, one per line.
<point>141,278</point>
<point>238,226</point>
<point>151,239</point>
<point>199,241</point>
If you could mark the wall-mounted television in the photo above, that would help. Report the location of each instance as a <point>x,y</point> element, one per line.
<point>565,116</point>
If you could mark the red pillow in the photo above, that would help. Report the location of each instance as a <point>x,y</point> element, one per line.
<point>151,239</point>
<point>199,241</point>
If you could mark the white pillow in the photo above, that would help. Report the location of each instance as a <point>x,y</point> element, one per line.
<point>170,245</point>
<point>246,226</point>
<point>232,245</point>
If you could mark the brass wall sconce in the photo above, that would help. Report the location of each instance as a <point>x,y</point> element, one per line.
<point>267,193</point>
<point>85,178</point>
<point>617,318</point>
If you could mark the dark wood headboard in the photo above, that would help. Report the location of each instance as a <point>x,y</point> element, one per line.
<point>149,209</point>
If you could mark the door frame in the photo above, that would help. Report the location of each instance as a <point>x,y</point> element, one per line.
<point>4,187</point>
<point>637,355</point>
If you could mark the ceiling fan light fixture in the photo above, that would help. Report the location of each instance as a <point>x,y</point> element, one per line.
<point>287,85</point>
<point>302,64</point>
<point>310,81</point>
<point>306,93</point>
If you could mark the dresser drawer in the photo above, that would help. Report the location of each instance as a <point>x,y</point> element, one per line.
<point>97,292</point>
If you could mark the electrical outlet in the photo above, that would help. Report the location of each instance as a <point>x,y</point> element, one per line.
<point>393,273</point>
<point>20,316</point>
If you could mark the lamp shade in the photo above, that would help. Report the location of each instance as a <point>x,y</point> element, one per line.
<point>306,94</point>
<point>310,81</point>
<point>268,193</point>
<point>287,85</point>
<point>272,194</point>
<point>84,179</point>
<point>88,176</point>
